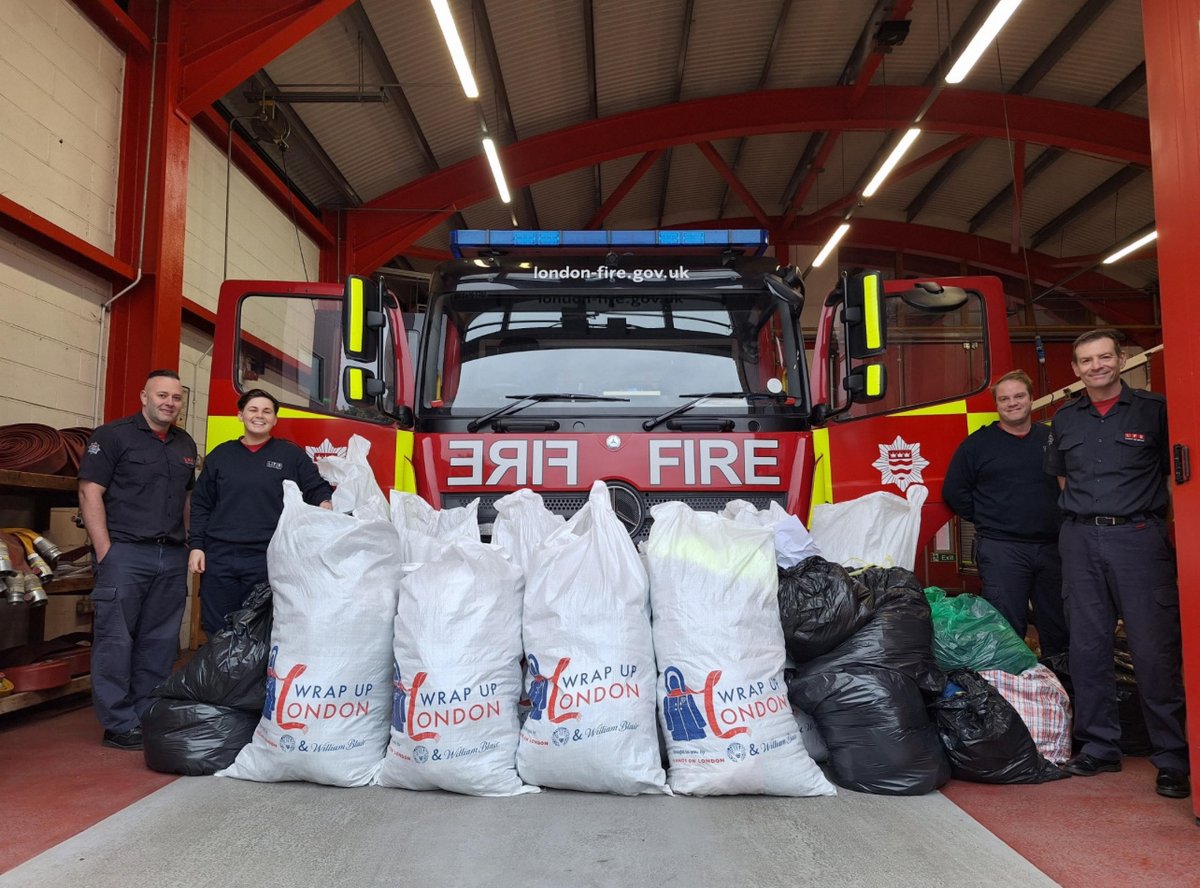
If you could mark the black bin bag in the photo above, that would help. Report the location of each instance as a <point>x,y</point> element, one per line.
<point>868,695</point>
<point>207,711</point>
<point>899,635</point>
<point>878,731</point>
<point>231,669</point>
<point>820,606</point>
<point>196,739</point>
<point>984,736</point>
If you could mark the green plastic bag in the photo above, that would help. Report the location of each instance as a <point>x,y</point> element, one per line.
<point>968,633</point>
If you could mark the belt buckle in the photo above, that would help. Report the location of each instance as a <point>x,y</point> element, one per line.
<point>1108,520</point>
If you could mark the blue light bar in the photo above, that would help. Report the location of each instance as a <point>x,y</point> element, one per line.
<point>485,239</point>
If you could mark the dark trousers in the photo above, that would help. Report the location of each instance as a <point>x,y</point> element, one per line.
<point>1126,571</point>
<point>1016,573</point>
<point>139,595</point>
<point>231,570</point>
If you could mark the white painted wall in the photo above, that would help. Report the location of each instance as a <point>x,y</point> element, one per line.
<point>60,115</point>
<point>262,245</point>
<point>50,315</point>
<point>262,241</point>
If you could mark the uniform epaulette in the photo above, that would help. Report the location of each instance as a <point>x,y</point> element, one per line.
<point>1149,396</point>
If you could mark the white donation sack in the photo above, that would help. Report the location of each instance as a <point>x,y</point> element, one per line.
<point>355,489</point>
<point>420,525</point>
<point>589,660</point>
<point>725,714</point>
<point>522,524</point>
<point>879,528</point>
<point>335,579</point>
<point>793,542</point>
<point>457,676</point>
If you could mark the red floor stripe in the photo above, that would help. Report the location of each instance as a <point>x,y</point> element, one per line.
<point>1093,832</point>
<point>56,779</point>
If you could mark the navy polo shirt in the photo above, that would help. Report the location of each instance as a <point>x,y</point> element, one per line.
<point>1114,464</point>
<point>145,479</point>
<point>239,496</point>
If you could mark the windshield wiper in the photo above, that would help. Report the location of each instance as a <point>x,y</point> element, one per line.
<point>520,402</point>
<point>651,424</point>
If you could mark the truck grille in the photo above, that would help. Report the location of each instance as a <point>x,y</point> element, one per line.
<point>568,503</point>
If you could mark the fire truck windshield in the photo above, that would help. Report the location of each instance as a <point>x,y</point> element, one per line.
<point>645,348</point>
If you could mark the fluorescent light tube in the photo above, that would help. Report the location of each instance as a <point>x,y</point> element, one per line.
<point>441,9</point>
<point>1129,248</point>
<point>983,37</point>
<point>489,148</point>
<point>831,243</point>
<point>890,164</point>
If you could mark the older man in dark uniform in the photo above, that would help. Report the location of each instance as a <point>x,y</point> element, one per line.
<point>135,483</point>
<point>1109,449</point>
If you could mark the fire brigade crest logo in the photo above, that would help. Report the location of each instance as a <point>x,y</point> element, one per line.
<point>900,463</point>
<point>324,449</point>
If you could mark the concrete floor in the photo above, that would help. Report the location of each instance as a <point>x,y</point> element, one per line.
<point>211,832</point>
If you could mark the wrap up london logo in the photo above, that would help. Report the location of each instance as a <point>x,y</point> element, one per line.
<point>419,708</point>
<point>564,696</point>
<point>725,712</point>
<point>295,705</point>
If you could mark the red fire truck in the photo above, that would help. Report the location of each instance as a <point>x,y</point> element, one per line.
<point>670,364</point>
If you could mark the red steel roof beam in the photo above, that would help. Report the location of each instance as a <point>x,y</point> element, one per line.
<point>116,25</point>
<point>29,226</point>
<point>626,185</point>
<point>963,112</point>
<point>224,43</point>
<point>719,164</point>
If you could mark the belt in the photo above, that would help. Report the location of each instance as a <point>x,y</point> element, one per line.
<point>158,541</point>
<point>1110,520</point>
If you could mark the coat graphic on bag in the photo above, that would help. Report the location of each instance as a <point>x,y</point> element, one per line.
<point>399,694</point>
<point>272,676</point>
<point>680,711</point>
<point>291,705</point>
<point>537,689</point>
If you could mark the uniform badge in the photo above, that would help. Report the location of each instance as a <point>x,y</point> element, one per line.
<point>94,448</point>
<point>1135,437</point>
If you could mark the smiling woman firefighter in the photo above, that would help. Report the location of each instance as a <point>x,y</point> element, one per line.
<point>237,503</point>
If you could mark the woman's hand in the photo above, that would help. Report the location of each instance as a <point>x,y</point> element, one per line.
<point>196,561</point>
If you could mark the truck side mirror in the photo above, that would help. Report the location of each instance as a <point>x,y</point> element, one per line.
<point>361,387</point>
<point>362,319</point>
<point>864,313</point>
<point>866,383</point>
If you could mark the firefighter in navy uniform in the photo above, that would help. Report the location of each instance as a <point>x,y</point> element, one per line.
<point>237,504</point>
<point>996,481</point>
<point>1109,449</point>
<point>135,482</point>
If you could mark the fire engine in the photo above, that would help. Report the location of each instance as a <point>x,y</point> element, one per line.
<point>670,364</point>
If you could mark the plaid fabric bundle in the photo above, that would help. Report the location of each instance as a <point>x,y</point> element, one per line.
<point>1043,705</point>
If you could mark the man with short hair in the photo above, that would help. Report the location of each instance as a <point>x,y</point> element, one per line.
<point>135,482</point>
<point>996,481</point>
<point>1110,450</point>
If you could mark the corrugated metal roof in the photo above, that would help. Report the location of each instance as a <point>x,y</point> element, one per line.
<point>542,53</point>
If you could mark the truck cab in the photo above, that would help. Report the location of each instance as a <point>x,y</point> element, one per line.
<point>671,365</point>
